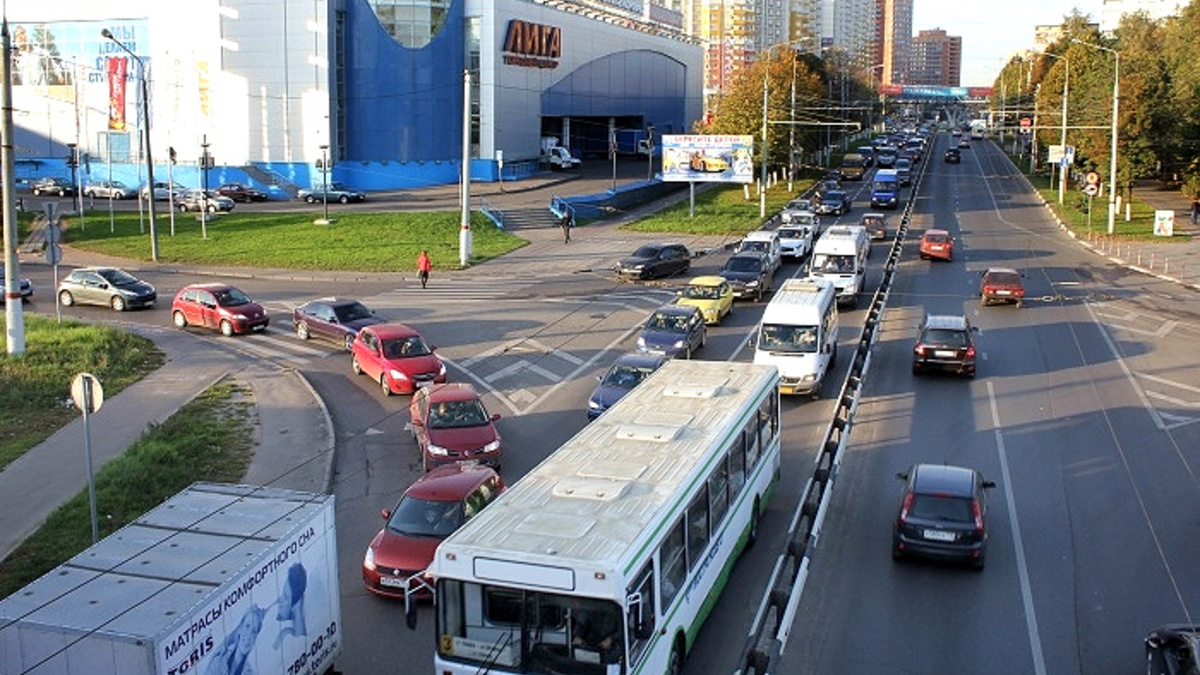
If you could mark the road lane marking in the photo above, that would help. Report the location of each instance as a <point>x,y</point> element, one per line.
<point>1035,643</point>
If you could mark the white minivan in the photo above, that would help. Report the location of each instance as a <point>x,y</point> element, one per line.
<point>840,257</point>
<point>798,335</point>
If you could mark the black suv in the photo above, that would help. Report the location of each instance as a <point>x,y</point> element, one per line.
<point>652,261</point>
<point>943,514</point>
<point>953,156</point>
<point>52,186</point>
<point>945,342</point>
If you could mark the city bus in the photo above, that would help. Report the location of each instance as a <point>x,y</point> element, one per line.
<point>607,557</point>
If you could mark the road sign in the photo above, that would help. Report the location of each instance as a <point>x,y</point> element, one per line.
<point>51,209</point>
<point>86,392</point>
<point>53,254</point>
<point>53,233</point>
<point>1091,189</point>
<point>1092,178</point>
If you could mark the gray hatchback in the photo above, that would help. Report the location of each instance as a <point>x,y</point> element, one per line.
<point>943,514</point>
<point>105,286</point>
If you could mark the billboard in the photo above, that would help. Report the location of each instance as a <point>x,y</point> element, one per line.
<point>707,158</point>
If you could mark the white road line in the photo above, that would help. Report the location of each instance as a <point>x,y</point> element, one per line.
<point>1169,383</point>
<point>1125,368</point>
<point>289,345</point>
<point>1035,643</point>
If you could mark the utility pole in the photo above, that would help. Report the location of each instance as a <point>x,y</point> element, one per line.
<point>13,311</point>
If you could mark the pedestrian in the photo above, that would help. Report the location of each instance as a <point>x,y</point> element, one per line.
<point>424,265</point>
<point>1195,211</point>
<point>566,223</point>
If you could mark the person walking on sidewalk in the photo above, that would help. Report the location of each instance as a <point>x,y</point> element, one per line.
<point>424,265</point>
<point>566,224</point>
<point>1195,210</point>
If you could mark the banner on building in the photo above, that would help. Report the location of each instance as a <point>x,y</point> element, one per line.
<point>708,158</point>
<point>116,93</point>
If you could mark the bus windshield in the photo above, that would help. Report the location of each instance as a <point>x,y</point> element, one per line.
<point>528,631</point>
<point>788,339</point>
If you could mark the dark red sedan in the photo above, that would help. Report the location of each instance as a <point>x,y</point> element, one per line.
<point>451,425</point>
<point>396,357</point>
<point>1001,284</point>
<point>242,193</point>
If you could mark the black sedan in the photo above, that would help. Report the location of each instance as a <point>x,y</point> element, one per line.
<point>1172,650</point>
<point>833,202</point>
<point>655,260</point>
<point>749,274</point>
<point>335,319</point>
<point>953,156</point>
<point>242,193</point>
<point>52,186</point>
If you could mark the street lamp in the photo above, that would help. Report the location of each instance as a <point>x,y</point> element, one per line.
<point>1062,179</point>
<point>146,117</point>
<point>325,182</point>
<point>762,193</point>
<point>1112,178</point>
<point>874,93</point>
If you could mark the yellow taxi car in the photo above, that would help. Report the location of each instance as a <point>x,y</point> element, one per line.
<point>712,295</point>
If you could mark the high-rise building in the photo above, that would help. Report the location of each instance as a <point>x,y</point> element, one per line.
<point>936,59</point>
<point>893,39</point>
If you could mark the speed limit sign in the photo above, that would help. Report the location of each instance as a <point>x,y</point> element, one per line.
<point>1091,189</point>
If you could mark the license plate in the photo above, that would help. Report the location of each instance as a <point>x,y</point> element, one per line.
<point>393,582</point>
<point>939,535</point>
<point>787,390</point>
<point>1003,292</point>
<point>944,354</point>
<point>421,384</point>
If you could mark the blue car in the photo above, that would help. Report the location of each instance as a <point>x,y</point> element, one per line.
<point>673,330</point>
<point>625,374</point>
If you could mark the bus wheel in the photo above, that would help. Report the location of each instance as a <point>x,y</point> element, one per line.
<point>753,536</point>
<point>675,665</point>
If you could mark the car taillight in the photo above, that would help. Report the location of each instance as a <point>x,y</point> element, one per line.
<point>978,516</point>
<point>970,352</point>
<point>908,500</point>
<point>919,350</point>
<point>989,290</point>
<point>1019,292</point>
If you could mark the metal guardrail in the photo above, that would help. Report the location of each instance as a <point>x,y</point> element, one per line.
<point>770,630</point>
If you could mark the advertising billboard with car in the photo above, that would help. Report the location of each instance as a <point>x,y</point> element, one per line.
<point>708,158</point>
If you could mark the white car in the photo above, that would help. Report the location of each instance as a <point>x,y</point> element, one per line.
<point>795,240</point>
<point>765,242</point>
<point>163,191</point>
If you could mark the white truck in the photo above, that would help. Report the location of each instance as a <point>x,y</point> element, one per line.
<point>840,257</point>
<point>798,335</point>
<point>557,156</point>
<point>217,579</point>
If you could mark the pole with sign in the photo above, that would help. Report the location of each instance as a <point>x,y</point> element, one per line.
<point>88,396</point>
<point>54,256</point>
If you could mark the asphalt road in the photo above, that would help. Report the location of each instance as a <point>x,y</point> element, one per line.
<point>1083,413</point>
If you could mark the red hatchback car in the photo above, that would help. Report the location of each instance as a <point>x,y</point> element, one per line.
<point>218,306</point>
<point>430,510</point>
<point>451,425</point>
<point>396,357</point>
<point>1001,284</point>
<point>937,244</point>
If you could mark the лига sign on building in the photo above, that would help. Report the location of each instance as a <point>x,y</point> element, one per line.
<point>532,45</point>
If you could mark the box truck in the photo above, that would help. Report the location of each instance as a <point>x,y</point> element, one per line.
<point>217,579</point>
<point>798,335</point>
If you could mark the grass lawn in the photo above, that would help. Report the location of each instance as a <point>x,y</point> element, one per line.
<point>722,210</point>
<point>35,389</point>
<point>368,242</point>
<point>210,439</point>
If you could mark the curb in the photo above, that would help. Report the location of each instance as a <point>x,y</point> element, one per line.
<point>330,439</point>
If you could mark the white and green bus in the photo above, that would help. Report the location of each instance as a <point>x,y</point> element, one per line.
<point>608,556</point>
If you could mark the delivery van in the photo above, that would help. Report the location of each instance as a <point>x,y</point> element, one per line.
<point>854,165</point>
<point>840,258</point>
<point>798,335</point>
<point>885,190</point>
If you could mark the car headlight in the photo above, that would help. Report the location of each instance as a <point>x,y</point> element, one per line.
<point>680,344</point>
<point>492,447</point>
<point>593,404</point>
<point>441,369</point>
<point>369,559</point>
<point>641,343</point>
<point>397,375</point>
<point>752,284</point>
<point>809,377</point>
<point>637,268</point>
<point>437,450</point>
<point>239,317</point>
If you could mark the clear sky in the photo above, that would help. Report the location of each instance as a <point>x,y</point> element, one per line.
<point>992,31</point>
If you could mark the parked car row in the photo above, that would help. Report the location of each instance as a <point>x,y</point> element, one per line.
<point>165,190</point>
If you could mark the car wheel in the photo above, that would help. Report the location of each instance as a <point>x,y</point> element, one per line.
<point>118,303</point>
<point>183,208</point>
<point>356,366</point>
<point>212,208</point>
<point>226,328</point>
<point>310,199</point>
<point>703,338</point>
<point>983,301</point>
<point>752,535</point>
<point>1018,304</point>
<point>37,193</point>
<point>916,370</point>
<point>179,319</point>
<point>66,298</point>
<point>383,384</point>
<point>675,664</point>
<point>345,199</point>
<point>978,563</point>
<point>349,342</point>
<point>302,331</point>
<point>897,554</point>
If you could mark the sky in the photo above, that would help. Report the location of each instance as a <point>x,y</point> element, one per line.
<point>992,31</point>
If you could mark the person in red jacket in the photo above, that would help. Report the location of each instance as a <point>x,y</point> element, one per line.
<point>424,265</point>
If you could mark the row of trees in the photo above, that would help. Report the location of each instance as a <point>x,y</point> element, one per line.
<point>1159,95</point>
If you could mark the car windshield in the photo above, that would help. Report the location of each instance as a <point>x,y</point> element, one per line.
<point>837,264</point>
<point>832,197</point>
<point>788,339</point>
<point>118,277</point>
<point>756,246</point>
<point>936,238</point>
<point>945,337</point>
<point>624,376</point>
<point>938,507</point>
<point>415,517</point>
<point>696,292</point>
<point>646,252</point>
<point>1003,279</point>
<point>231,297</point>
<point>351,312</point>
<point>403,348</point>
<point>743,264</point>
<point>792,233</point>
<point>457,414</point>
<point>668,323</point>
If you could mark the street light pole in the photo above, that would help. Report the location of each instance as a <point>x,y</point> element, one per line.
<point>762,194</point>
<point>325,184</point>
<point>1112,173</point>
<point>145,89</point>
<point>1062,177</point>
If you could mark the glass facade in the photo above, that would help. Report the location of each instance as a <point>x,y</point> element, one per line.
<point>411,23</point>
